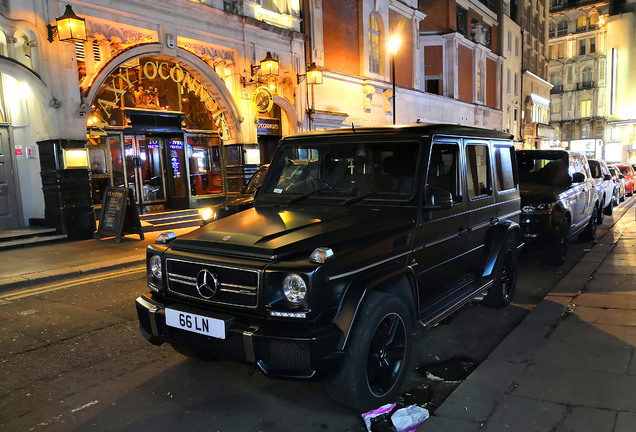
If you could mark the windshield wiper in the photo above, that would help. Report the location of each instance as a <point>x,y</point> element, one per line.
<point>304,196</point>
<point>356,199</point>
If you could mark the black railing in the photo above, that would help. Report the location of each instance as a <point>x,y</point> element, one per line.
<point>585,85</point>
<point>556,89</point>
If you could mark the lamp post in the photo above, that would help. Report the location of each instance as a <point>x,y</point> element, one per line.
<point>393,45</point>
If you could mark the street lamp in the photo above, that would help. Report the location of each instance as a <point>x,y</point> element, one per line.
<point>393,44</point>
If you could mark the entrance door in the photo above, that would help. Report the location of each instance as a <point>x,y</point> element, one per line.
<point>144,169</point>
<point>176,172</point>
<point>9,217</point>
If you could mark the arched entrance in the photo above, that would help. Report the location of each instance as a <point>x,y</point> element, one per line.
<point>160,126</point>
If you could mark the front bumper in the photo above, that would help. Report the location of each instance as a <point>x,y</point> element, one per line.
<point>279,349</point>
<point>537,228</point>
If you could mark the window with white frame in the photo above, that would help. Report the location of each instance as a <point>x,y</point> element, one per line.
<point>508,83</point>
<point>375,55</point>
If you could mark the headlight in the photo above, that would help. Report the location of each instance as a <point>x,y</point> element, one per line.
<point>536,207</point>
<point>155,266</point>
<point>208,215</point>
<point>295,288</point>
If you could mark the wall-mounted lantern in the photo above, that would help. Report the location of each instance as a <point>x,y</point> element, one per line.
<point>268,66</point>
<point>313,75</point>
<point>68,28</point>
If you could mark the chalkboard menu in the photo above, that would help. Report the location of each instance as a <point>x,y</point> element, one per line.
<point>119,214</point>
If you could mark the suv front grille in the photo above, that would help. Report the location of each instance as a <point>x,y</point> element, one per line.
<point>233,286</point>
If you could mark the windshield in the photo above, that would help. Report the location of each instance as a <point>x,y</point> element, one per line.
<point>543,168</point>
<point>359,169</point>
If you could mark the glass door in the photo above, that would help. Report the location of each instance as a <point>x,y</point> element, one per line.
<point>144,168</point>
<point>176,172</point>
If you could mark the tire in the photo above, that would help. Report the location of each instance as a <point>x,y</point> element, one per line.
<point>622,198</point>
<point>600,215</point>
<point>610,207</point>
<point>559,247</point>
<point>504,277</point>
<point>376,358</point>
<point>589,233</point>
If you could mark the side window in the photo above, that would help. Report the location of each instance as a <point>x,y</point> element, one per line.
<point>443,171</point>
<point>478,171</point>
<point>504,170</point>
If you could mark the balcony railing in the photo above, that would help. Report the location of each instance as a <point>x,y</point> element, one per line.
<point>585,85</point>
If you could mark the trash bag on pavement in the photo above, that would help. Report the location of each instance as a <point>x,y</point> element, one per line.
<point>395,418</point>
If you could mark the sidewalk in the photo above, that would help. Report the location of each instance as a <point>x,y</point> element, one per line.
<point>34,265</point>
<point>570,365</point>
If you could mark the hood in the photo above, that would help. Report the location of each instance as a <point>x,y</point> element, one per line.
<point>274,233</point>
<point>534,193</point>
<point>239,201</point>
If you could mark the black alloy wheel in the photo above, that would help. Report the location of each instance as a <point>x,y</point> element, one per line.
<point>376,355</point>
<point>386,354</point>
<point>504,277</point>
<point>589,233</point>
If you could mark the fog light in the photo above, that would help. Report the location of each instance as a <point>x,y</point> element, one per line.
<point>295,288</point>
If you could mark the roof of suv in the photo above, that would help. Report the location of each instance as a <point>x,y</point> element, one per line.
<point>419,129</point>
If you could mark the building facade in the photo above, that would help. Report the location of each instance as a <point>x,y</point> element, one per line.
<point>170,100</point>
<point>578,71</point>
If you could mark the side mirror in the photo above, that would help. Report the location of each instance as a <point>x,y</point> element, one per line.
<point>607,177</point>
<point>258,188</point>
<point>578,177</point>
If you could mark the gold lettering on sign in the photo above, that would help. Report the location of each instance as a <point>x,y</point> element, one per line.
<point>120,84</point>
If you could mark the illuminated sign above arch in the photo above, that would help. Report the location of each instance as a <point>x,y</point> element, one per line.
<point>151,84</point>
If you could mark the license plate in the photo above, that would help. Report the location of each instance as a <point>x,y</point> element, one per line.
<point>196,323</point>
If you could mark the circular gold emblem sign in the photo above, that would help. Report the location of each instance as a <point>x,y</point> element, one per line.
<point>262,99</point>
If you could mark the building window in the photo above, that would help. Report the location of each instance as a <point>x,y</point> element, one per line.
<point>582,45</point>
<point>509,41</point>
<point>586,75</point>
<point>561,50</point>
<point>581,23</point>
<point>516,85</point>
<point>517,47</point>
<point>508,81</point>
<point>594,20</point>
<point>592,45</point>
<point>562,28</point>
<point>585,131</point>
<point>552,29</point>
<point>480,90</point>
<point>374,45</point>
<point>586,109</point>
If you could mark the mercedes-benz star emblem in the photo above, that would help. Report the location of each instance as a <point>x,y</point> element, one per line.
<point>207,284</point>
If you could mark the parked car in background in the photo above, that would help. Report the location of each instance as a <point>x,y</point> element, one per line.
<point>238,203</point>
<point>604,184</point>
<point>357,238</point>
<point>630,178</point>
<point>619,184</point>
<point>558,200</point>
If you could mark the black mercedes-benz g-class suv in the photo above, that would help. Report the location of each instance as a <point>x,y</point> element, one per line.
<point>559,200</point>
<point>357,238</point>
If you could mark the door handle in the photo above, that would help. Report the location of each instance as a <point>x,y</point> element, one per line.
<point>462,231</point>
<point>493,221</point>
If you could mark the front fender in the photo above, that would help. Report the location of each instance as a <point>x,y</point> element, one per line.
<point>380,279</point>
<point>500,234</point>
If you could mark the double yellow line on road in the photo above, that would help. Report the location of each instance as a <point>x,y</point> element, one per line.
<point>43,289</point>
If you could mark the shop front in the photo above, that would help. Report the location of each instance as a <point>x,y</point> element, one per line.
<point>157,129</point>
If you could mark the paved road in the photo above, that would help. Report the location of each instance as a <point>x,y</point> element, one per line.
<point>71,358</point>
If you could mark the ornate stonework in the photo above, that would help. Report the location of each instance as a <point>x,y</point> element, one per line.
<point>207,52</point>
<point>120,35</point>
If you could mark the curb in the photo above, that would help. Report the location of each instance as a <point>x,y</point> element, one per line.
<point>37,278</point>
